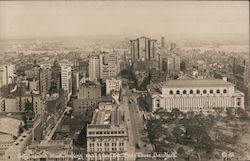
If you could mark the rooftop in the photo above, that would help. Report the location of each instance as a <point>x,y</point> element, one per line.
<point>107,116</point>
<point>197,83</point>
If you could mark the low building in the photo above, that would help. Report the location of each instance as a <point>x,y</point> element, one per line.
<point>49,151</point>
<point>194,95</point>
<point>9,132</point>
<point>113,85</point>
<point>107,137</point>
<point>14,151</point>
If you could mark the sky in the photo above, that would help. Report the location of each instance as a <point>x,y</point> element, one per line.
<point>92,18</point>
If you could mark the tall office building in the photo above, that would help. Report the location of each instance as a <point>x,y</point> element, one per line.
<point>177,63</point>
<point>143,48</point>
<point>109,66</point>
<point>163,42</point>
<point>66,77</point>
<point>7,74</point>
<point>55,77</point>
<point>75,82</point>
<point>94,67</point>
<point>171,64</point>
<point>44,80</point>
<point>104,66</point>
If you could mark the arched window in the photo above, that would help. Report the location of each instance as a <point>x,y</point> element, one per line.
<point>177,92</point>
<point>171,92</point>
<point>184,92</point>
<point>191,92</point>
<point>217,91</point>
<point>211,91</point>
<point>224,91</point>
<point>204,91</point>
<point>198,92</point>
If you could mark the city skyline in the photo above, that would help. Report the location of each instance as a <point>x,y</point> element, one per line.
<point>85,18</point>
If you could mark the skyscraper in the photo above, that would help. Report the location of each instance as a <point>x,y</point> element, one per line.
<point>104,66</point>
<point>66,80</point>
<point>7,74</point>
<point>109,66</point>
<point>171,64</point>
<point>162,42</point>
<point>143,48</point>
<point>94,67</point>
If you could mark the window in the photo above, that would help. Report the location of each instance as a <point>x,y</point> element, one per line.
<point>177,92</point>
<point>204,91</point>
<point>238,101</point>
<point>158,103</point>
<point>191,92</point>
<point>211,91</point>
<point>184,92</point>
<point>198,92</point>
<point>171,92</point>
<point>224,91</point>
<point>217,91</point>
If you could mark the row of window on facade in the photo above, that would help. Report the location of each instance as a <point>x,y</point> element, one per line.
<point>106,149</point>
<point>107,159</point>
<point>106,132</point>
<point>105,144</point>
<point>198,91</point>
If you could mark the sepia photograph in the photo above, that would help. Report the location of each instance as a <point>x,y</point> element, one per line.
<point>124,80</point>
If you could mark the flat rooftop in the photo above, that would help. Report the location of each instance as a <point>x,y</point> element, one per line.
<point>197,83</point>
<point>105,118</point>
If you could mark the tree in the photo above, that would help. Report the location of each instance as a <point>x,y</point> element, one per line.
<point>242,114</point>
<point>144,83</point>
<point>175,113</point>
<point>178,132</point>
<point>230,113</point>
<point>198,133</point>
<point>181,151</point>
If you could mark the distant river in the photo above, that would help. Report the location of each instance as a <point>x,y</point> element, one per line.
<point>225,48</point>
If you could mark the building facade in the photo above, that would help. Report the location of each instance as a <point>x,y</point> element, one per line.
<point>107,137</point>
<point>109,65</point>
<point>88,96</point>
<point>171,64</point>
<point>113,85</point>
<point>142,49</point>
<point>194,95</point>
<point>55,150</point>
<point>66,78</point>
<point>94,67</point>
<point>7,74</point>
<point>103,66</point>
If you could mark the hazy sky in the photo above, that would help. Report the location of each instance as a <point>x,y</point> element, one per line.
<point>79,18</point>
